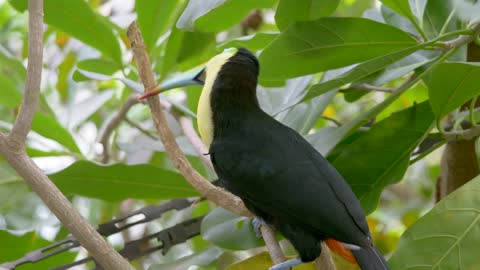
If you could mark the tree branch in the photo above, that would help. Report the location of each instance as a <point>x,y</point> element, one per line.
<point>13,149</point>
<point>325,261</point>
<point>205,188</point>
<point>113,124</point>
<point>461,40</point>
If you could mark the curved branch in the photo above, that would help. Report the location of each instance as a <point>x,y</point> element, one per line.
<point>114,122</point>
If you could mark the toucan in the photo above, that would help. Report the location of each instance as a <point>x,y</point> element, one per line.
<point>278,175</point>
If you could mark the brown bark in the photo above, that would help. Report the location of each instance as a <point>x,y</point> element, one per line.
<point>459,160</point>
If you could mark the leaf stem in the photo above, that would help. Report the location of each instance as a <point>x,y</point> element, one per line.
<point>472,108</point>
<point>419,28</point>
<point>447,21</point>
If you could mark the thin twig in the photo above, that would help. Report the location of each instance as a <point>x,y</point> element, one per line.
<point>333,120</point>
<point>13,149</point>
<point>461,40</point>
<point>143,130</point>
<point>205,188</point>
<point>113,124</point>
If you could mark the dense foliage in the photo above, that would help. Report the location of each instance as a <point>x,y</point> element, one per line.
<point>365,82</point>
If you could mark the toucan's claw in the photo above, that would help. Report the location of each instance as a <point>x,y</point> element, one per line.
<point>257,222</point>
<point>287,265</point>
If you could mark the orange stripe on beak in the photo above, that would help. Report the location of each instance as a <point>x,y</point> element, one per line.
<point>341,250</point>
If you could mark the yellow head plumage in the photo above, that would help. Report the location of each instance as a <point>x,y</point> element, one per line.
<point>204,109</point>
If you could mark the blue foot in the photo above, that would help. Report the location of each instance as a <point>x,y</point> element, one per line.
<point>287,265</point>
<point>257,222</point>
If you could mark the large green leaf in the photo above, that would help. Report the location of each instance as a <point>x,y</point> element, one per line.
<point>327,138</point>
<point>14,247</point>
<point>381,155</point>
<point>255,42</point>
<point>276,100</point>
<point>154,18</point>
<point>185,50</point>
<point>451,85</point>
<point>76,18</point>
<point>119,182</point>
<point>402,7</point>
<point>328,43</point>
<point>360,71</point>
<point>49,127</point>
<point>302,10</point>
<point>447,237</point>
<point>217,15</point>
<point>228,230</point>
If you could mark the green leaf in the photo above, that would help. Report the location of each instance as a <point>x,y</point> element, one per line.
<point>255,42</point>
<point>328,43</point>
<point>154,18</point>
<point>203,258</point>
<point>447,237</point>
<point>95,65</point>
<point>64,69</point>
<point>196,48</point>
<point>397,69</point>
<point>119,182</point>
<point>12,79</point>
<point>402,7</point>
<point>185,50</point>
<point>276,100</point>
<point>360,71</point>
<point>451,85</point>
<point>302,10</point>
<point>217,15</point>
<point>418,7</point>
<point>14,247</point>
<point>11,96</point>
<point>382,163</point>
<point>49,127</point>
<point>393,18</point>
<point>83,110</point>
<point>12,188</point>
<point>11,67</point>
<point>228,230</point>
<point>76,18</point>
<point>435,16</point>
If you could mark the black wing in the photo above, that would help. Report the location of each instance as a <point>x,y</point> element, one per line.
<point>280,173</point>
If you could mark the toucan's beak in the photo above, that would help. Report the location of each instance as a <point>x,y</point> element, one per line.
<point>192,77</point>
